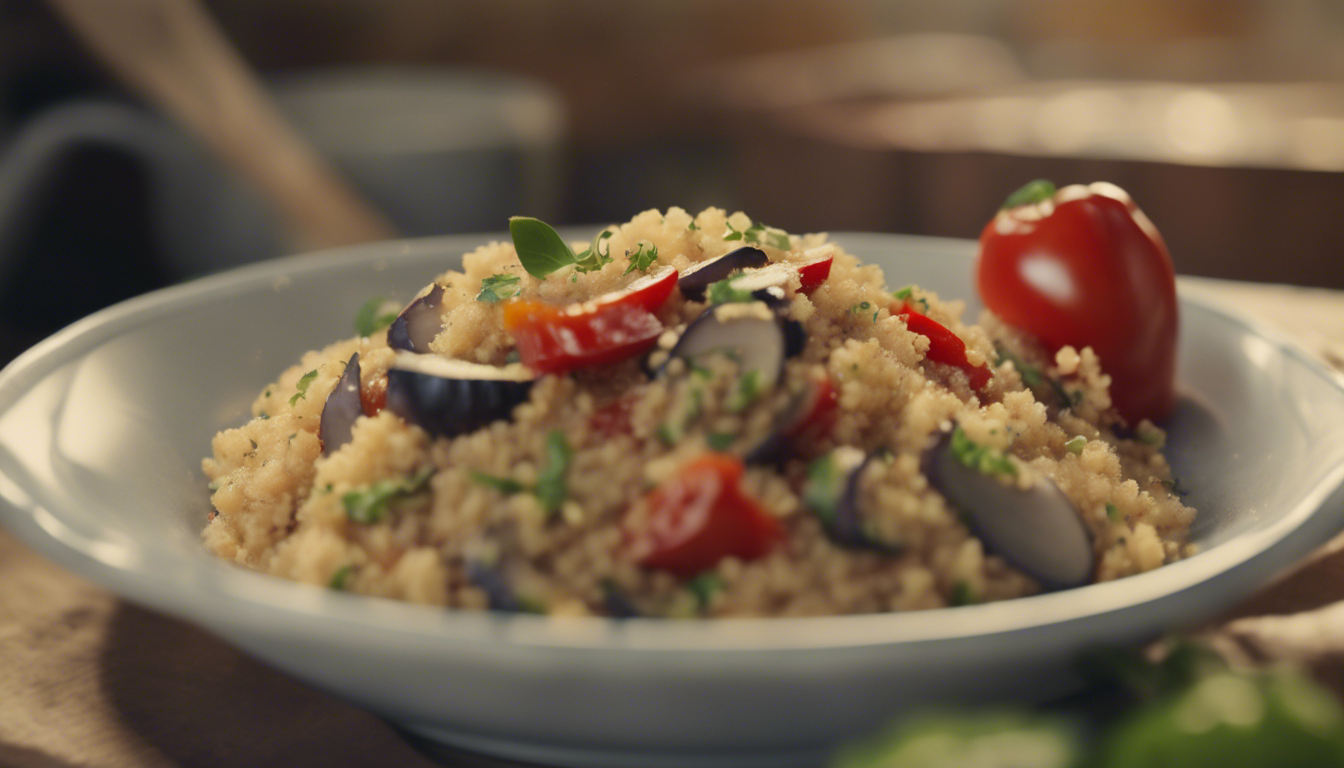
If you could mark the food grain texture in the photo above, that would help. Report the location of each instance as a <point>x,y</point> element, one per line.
<point>542,510</point>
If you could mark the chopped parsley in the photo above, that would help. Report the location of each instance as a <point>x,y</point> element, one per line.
<point>719,441</point>
<point>1033,378</point>
<point>496,288</point>
<point>760,234</point>
<point>908,294</point>
<point>551,488</point>
<point>1112,512</point>
<point>374,315</point>
<point>692,226</point>
<point>823,487</point>
<point>340,580</point>
<point>642,258</point>
<point>748,389</point>
<point>373,503</point>
<point>963,594</point>
<point>703,586</point>
<point>981,458</point>
<point>302,386</point>
<point>724,292</point>
<point>542,251</point>
<point>1075,445</point>
<point>505,485</point>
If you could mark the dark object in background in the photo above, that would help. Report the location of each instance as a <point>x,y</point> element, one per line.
<point>85,242</point>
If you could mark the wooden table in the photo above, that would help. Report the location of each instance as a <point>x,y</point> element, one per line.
<point>87,679</point>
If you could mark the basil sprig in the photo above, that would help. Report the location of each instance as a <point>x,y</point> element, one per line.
<point>542,251</point>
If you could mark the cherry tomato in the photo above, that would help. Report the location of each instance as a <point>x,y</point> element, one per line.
<point>819,415</point>
<point>621,324</point>
<point>1083,266</point>
<point>701,516</point>
<point>944,345</point>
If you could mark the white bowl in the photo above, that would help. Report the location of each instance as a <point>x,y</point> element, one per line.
<point>103,426</point>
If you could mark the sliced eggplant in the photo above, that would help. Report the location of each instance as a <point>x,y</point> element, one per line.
<point>774,447</point>
<point>750,333</point>
<point>418,323</point>
<point>498,594</point>
<point>695,280</point>
<point>341,409</point>
<point>453,397</point>
<point>832,491</point>
<point>1038,529</point>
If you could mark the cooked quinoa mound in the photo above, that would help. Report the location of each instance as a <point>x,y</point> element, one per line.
<point>669,484</point>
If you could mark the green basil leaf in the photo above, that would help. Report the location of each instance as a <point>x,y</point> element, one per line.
<point>540,248</point>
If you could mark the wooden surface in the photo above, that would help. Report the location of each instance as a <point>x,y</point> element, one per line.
<point>89,680</point>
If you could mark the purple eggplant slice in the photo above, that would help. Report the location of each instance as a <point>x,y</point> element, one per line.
<point>832,492</point>
<point>343,406</point>
<point>1038,529</point>
<point>418,323</point>
<point>695,280</point>
<point>453,397</point>
<point>749,333</point>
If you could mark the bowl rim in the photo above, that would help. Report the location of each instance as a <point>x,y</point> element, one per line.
<point>245,599</point>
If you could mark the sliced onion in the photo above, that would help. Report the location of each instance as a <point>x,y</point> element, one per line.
<point>341,409</point>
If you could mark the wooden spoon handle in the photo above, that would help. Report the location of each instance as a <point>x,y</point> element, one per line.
<point>175,55</point>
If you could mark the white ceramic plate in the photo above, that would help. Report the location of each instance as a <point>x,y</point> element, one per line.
<point>103,426</point>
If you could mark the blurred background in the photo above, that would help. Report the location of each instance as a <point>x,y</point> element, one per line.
<point>1224,118</point>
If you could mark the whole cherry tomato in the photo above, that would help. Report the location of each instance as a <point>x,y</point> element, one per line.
<point>701,516</point>
<point>1083,266</point>
<point>621,324</point>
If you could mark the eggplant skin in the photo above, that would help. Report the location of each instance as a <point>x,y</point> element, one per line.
<point>446,407</point>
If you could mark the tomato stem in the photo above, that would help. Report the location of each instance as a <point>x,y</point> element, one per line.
<point>1034,191</point>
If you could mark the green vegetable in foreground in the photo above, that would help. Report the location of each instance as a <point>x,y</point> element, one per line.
<point>981,458</point>
<point>374,315</point>
<point>496,288</point>
<point>551,486</point>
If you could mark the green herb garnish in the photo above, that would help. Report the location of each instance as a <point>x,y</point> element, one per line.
<point>340,580</point>
<point>373,503</point>
<point>692,226</point>
<point>302,386</point>
<point>907,294</point>
<point>724,292</point>
<point>498,287</point>
<point>963,594</point>
<point>505,485</point>
<point>719,441</point>
<point>645,254</point>
<point>981,458</point>
<point>1075,445</point>
<point>861,308</point>
<point>823,487</point>
<point>1112,512</point>
<point>551,489</point>
<point>748,389</point>
<point>374,315</point>
<point>760,234</point>
<point>703,586</point>
<point>542,251</point>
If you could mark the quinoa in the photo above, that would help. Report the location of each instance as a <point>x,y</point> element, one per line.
<point>543,509</point>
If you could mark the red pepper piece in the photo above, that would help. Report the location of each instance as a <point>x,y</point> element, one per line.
<point>944,345</point>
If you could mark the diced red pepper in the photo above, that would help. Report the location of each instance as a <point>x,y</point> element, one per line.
<point>814,273</point>
<point>621,324</point>
<point>820,415</point>
<point>701,516</point>
<point>944,345</point>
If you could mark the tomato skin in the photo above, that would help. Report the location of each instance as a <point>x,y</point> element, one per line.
<point>1088,268</point>
<point>944,345</point>
<point>557,339</point>
<point>701,516</point>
